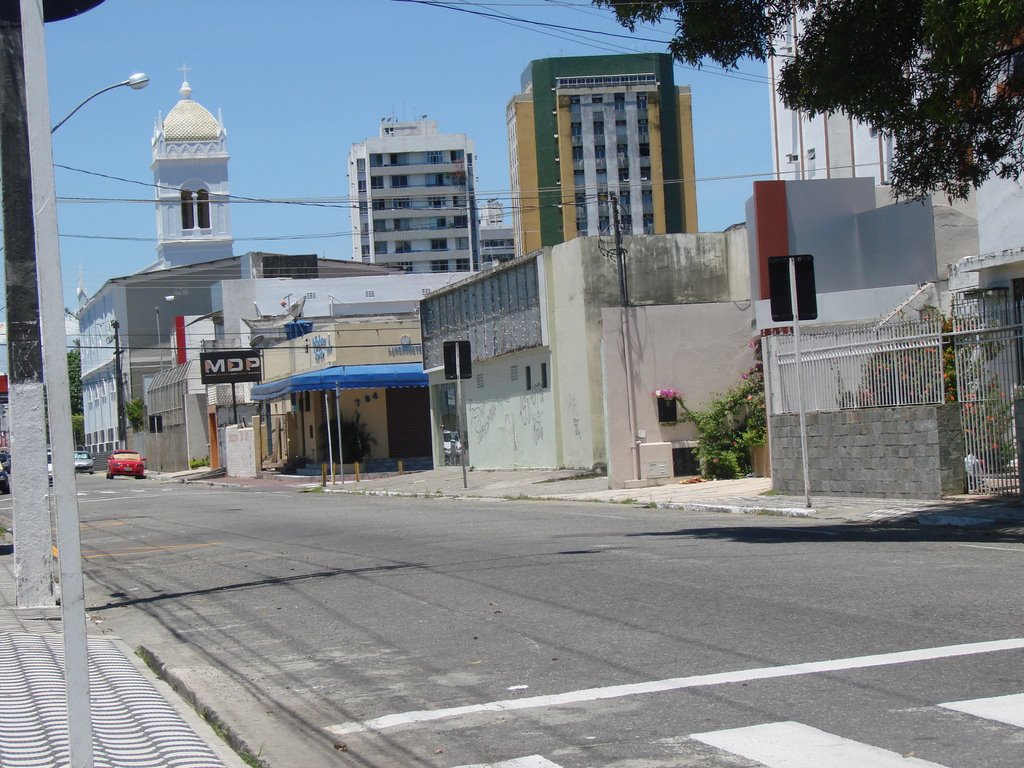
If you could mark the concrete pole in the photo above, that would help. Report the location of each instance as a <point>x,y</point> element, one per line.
<point>33,561</point>
<point>62,441</point>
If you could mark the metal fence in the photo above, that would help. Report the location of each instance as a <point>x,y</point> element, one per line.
<point>976,359</point>
<point>861,366</point>
<point>986,337</point>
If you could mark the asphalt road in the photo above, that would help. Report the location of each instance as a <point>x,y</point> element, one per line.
<point>321,626</point>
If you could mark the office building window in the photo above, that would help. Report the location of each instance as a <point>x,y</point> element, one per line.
<point>439,244</point>
<point>380,248</point>
<point>462,265</point>
<point>376,182</point>
<point>439,265</point>
<point>397,182</point>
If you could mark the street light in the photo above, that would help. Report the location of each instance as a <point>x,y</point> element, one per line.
<point>135,82</point>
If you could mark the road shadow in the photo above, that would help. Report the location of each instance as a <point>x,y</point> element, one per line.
<point>254,584</point>
<point>880,531</point>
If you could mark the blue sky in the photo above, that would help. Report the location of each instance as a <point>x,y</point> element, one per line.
<point>299,82</point>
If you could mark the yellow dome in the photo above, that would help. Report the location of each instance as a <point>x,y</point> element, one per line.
<point>190,120</point>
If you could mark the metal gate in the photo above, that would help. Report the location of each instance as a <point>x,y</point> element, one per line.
<point>986,346</point>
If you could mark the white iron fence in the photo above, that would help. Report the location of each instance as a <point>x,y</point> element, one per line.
<point>977,359</point>
<point>860,366</point>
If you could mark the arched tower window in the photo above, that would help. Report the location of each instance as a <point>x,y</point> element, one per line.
<point>195,209</point>
<point>188,214</point>
<point>203,208</point>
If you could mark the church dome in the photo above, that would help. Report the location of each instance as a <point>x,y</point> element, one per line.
<point>190,121</point>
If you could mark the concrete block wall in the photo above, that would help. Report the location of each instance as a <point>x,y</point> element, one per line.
<point>913,452</point>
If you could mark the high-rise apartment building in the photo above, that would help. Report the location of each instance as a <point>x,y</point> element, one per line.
<point>586,128</point>
<point>496,241</point>
<point>825,146</point>
<point>413,198</point>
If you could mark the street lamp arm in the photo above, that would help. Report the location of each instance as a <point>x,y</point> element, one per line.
<point>135,82</point>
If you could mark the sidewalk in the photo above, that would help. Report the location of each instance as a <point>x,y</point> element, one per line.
<point>746,495</point>
<point>136,719</point>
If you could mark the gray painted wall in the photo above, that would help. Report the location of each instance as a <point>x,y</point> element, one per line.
<point>906,452</point>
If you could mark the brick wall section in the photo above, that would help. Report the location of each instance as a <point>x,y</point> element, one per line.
<point>911,452</point>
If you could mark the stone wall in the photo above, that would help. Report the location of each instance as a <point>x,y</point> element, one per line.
<point>911,452</point>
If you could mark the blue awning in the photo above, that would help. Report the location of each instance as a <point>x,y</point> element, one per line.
<point>345,377</point>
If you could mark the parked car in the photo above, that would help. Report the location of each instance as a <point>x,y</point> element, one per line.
<point>5,461</point>
<point>84,462</point>
<point>128,463</point>
<point>5,481</point>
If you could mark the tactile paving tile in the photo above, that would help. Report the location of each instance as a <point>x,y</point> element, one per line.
<point>133,725</point>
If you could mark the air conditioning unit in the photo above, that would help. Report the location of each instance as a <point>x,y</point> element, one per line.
<point>792,158</point>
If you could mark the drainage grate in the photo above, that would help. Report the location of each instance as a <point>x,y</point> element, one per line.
<point>133,725</point>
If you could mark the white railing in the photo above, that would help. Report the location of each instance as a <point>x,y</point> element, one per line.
<point>861,366</point>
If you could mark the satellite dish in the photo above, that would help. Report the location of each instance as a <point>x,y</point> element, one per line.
<point>295,309</point>
<point>257,340</point>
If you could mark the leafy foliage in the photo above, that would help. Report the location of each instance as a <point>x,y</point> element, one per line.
<point>75,381</point>
<point>356,440</point>
<point>78,428</point>
<point>135,410</point>
<point>944,78</point>
<point>732,424</point>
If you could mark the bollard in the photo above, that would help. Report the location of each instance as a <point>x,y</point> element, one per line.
<point>401,467</point>
<point>323,475</point>
<point>356,467</point>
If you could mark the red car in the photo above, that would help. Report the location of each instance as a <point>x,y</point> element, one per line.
<point>128,463</point>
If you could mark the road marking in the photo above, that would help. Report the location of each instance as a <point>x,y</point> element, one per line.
<point>532,761</point>
<point>986,546</point>
<point>678,683</point>
<point>795,745</point>
<point>1002,709</point>
<point>141,550</point>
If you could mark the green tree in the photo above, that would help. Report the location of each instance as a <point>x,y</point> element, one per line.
<point>944,78</point>
<point>78,428</point>
<point>136,413</point>
<point>75,381</point>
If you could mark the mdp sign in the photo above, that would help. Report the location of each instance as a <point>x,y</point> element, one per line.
<point>230,366</point>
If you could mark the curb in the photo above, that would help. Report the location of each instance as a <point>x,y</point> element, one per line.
<point>737,509</point>
<point>206,714</point>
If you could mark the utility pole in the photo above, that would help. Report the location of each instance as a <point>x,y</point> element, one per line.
<point>624,330</point>
<point>122,431</point>
<point>33,561</point>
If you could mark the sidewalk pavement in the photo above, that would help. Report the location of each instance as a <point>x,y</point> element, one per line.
<point>136,718</point>
<point>746,495</point>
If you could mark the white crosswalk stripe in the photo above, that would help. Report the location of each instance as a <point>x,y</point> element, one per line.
<point>1003,709</point>
<point>795,745</point>
<point>532,761</point>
